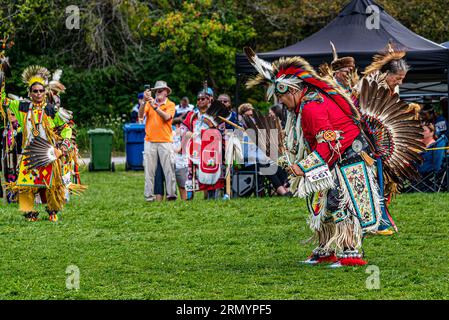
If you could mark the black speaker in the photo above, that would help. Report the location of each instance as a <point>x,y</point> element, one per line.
<point>243,184</point>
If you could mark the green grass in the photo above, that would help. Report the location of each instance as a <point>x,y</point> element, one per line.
<point>126,248</point>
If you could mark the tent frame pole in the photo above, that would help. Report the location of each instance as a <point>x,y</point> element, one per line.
<point>447,165</point>
<point>237,91</point>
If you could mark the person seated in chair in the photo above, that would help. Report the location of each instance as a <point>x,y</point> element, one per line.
<point>432,159</point>
<point>277,176</point>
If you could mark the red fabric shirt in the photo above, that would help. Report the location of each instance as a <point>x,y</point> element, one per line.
<point>326,115</point>
<point>188,121</point>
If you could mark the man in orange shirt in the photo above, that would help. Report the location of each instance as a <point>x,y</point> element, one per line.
<point>159,114</point>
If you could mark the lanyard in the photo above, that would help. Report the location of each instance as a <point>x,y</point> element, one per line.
<point>35,131</point>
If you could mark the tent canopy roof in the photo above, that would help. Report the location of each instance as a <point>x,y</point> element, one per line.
<point>351,36</point>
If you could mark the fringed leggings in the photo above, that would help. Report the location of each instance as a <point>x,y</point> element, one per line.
<point>48,196</point>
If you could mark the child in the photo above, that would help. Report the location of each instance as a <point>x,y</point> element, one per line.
<point>181,162</point>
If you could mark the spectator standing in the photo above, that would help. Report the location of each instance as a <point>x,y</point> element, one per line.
<point>159,114</point>
<point>245,109</point>
<point>181,161</point>
<point>135,109</point>
<point>226,100</point>
<point>183,108</point>
<point>159,182</point>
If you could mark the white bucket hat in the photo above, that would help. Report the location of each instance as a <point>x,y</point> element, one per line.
<point>161,85</point>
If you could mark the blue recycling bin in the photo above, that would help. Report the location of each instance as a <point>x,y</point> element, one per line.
<point>134,140</point>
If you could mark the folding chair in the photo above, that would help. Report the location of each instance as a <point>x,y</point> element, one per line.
<point>435,181</point>
<point>247,181</point>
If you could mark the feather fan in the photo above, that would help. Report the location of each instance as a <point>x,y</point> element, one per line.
<point>39,153</point>
<point>217,110</point>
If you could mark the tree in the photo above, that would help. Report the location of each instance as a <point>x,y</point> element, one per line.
<point>123,44</point>
<point>204,38</point>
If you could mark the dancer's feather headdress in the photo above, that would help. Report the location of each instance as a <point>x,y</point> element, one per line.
<point>55,84</point>
<point>35,74</point>
<point>339,63</point>
<point>293,72</point>
<point>390,53</point>
<point>327,70</point>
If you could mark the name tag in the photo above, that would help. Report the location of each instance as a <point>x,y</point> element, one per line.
<point>318,174</point>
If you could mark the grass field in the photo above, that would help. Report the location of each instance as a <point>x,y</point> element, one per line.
<point>126,248</point>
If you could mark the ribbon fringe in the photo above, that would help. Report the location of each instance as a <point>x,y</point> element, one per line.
<point>307,187</point>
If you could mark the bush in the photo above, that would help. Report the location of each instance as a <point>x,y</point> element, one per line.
<point>114,123</point>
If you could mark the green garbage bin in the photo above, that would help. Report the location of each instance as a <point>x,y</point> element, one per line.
<point>101,149</point>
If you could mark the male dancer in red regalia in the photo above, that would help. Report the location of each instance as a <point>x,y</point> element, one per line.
<point>325,154</point>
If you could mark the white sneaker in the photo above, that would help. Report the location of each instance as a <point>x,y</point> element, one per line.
<point>336,265</point>
<point>312,260</point>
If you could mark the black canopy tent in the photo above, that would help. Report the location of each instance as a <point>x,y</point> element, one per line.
<point>349,32</point>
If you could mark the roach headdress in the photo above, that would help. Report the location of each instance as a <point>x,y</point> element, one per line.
<point>293,72</point>
<point>35,74</point>
<point>389,54</point>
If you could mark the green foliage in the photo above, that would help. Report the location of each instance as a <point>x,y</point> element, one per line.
<point>126,248</point>
<point>106,64</point>
<point>204,39</point>
<point>282,23</point>
<point>124,44</point>
<point>426,18</point>
<point>114,123</point>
